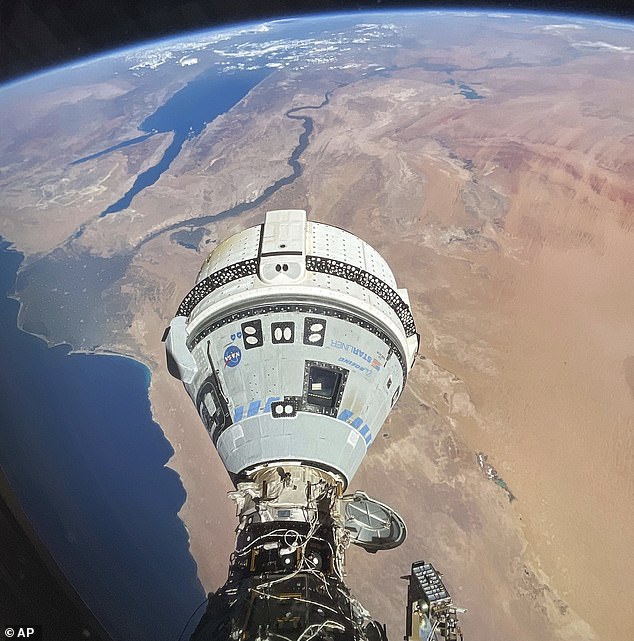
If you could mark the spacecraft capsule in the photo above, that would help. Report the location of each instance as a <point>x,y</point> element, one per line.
<point>294,345</point>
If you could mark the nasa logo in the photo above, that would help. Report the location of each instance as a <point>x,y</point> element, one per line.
<point>232,356</point>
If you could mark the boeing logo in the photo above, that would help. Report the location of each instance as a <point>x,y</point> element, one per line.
<point>354,350</point>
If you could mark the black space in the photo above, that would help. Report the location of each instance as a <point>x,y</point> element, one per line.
<point>33,590</point>
<point>35,34</point>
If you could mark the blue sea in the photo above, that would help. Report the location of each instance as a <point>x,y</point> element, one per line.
<point>87,463</point>
<point>184,115</point>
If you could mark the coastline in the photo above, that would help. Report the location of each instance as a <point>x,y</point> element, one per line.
<point>213,578</point>
<point>95,477</point>
<point>207,513</point>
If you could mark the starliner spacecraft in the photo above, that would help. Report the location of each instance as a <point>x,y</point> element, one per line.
<point>294,345</point>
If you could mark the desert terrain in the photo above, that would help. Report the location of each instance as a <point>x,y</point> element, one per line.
<point>517,253</point>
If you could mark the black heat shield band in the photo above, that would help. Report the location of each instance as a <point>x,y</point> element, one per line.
<point>316,264</point>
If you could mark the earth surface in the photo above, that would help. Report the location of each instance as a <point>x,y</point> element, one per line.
<point>488,157</point>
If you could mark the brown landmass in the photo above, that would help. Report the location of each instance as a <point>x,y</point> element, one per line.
<point>510,226</point>
<point>526,317</point>
<point>509,219</point>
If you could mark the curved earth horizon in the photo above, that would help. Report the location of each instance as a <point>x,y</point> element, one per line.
<point>488,156</point>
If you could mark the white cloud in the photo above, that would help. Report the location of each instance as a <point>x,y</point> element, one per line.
<point>602,45</point>
<point>259,51</point>
<point>560,27</point>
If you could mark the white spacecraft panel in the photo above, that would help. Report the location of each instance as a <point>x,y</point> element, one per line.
<point>256,378</point>
<point>282,253</point>
<point>231,251</point>
<point>332,242</point>
<point>313,440</point>
<point>284,233</point>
